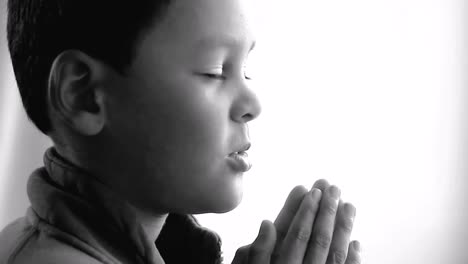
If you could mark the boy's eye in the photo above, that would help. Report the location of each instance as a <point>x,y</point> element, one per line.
<point>216,73</point>
<point>218,76</point>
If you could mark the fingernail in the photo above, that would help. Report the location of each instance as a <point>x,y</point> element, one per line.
<point>334,192</point>
<point>316,193</point>
<point>357,246</point>
<point>350,210</point>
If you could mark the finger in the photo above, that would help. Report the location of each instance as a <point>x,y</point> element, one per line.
<point>295,243</point>
<point>241,255</point>
<point>320,241</point>
<point>341,234</point>
<point>288,211</point>
<point>261,249</point>
<point>354,253</point>
<point>321,184</point>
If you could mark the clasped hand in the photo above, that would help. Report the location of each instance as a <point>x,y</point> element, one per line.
<point>313,227</point>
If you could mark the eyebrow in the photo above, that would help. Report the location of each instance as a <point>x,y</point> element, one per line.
<point>224,41</point>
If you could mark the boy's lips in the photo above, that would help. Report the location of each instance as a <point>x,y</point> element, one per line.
<point>239,160</point>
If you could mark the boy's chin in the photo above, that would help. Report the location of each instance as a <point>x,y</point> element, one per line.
<point>219,206</point>
<point>227,207</point>
<point>231,200</point>
<point>226,198</point>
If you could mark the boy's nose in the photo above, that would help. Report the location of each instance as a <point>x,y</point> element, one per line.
<point>246,106</point>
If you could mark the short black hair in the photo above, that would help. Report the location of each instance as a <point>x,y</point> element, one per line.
<point>39,30</point>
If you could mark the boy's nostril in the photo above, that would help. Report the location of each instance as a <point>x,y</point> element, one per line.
<point>247,117</point>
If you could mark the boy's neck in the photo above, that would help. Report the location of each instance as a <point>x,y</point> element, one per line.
<point>152,223</point>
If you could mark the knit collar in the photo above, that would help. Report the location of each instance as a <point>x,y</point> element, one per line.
<point>75,202</point>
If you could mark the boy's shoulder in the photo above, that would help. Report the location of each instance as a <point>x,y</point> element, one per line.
<point>27,241</point>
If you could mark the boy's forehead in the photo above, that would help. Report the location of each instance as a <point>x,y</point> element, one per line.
<point>193,26</point>
<point>225,40</point>
<point>212,20</point>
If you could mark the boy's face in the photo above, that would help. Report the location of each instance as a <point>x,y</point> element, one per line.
<point>182,109</point>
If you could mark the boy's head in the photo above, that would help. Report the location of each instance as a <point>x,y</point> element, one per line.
<point>149,96</point>
<point>39,30</point>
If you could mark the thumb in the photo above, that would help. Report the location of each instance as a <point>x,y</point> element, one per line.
<point>262,248</point>
<point>241,255</point>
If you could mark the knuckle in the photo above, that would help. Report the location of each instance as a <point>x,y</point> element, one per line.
<point>301,234</point>
<point>322,240</point>
<point>308,207</point>
<point>330,208</point>
<point>347,225</point>
<point>311,210</point>
<point>339,257</point>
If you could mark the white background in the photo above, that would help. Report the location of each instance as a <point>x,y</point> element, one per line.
<point>369,94</point>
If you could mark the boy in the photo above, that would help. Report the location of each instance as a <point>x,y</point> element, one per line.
<point>147,105</point>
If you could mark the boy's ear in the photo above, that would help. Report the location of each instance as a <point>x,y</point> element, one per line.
<point>75,91</point>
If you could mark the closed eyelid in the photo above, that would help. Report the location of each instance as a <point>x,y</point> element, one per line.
<point>227,68</point>
<point>216,69</point>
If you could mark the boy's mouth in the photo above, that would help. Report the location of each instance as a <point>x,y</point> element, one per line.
<point>239,160</point>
